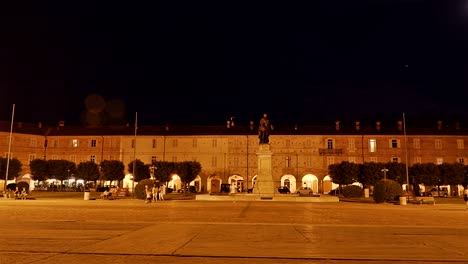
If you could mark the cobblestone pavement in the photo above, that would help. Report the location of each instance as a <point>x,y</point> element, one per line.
<point>206,232</point>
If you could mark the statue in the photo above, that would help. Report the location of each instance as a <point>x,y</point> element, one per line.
<point>264,128</point>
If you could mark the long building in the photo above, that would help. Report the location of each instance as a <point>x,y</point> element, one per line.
<point>227,154</point>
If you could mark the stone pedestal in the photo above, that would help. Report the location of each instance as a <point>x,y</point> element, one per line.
<point>264,184</point>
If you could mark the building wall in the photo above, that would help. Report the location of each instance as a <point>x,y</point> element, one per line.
<point>223,156</point>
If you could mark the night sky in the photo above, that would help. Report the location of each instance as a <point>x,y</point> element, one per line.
<point>202,62</point>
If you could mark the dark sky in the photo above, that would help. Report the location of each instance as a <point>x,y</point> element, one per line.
<point>201,62</point>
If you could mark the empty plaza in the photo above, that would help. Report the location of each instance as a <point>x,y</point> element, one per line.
<point>130,231</point>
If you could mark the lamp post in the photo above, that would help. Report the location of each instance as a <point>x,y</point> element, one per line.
<point>153,168</point>
<point>384,170</point>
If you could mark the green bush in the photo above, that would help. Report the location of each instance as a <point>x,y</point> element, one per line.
<point>352,191</point>
<point>140,192</point>
<point>23,184</point>
<point>387,191</point>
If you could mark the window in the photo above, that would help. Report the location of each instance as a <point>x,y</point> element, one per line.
<point>93,143</point>
<point>330,161</point>
<point>288,161</point>
<point>153,143</point>
<point>394,143</point>
<point>439,161</point>
<point>395,159</point>
<point>6,154</point>
<point>73,158</point>
<point>133,143</point>
<point>329,143</point>
<point>461,160</point>
<point>33,142</point>
<point>352,145</point>
<point>308,143</point>
<point>54,143</point>
<point>54,157</point>
<point>31,157</point>
<point>214,143</point>
<point>417,159</point>
<point>75,143</point>
<point>194,143</point>
<point>416,143</point>
<point>308,161</point>
<point>92,158</point>
<point>438,144</point>
<point>372,145</point>
<point>373,159</point>
<point>213,162</point>
<point>153,159</point>
<point>460,144</point>
<point>352,159</point>
<point>175,143</point>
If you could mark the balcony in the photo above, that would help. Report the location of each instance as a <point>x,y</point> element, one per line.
<point>330,152</point>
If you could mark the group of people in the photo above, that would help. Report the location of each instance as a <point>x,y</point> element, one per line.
<point>21,194</point>
<point>156,193</point>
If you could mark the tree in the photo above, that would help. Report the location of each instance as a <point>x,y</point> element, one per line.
<point>188,171</point>
<point>88,171</point>
<point>39,169</point>
<point>452,174</point>
<point>61,169</point>
<point>14,168</point>
<point>112,170</point>
<point>344,173</point>
<point>425,173</point>
<point>370,174</point>
<point>164,170</point>
<point>141,170</point>
<point>396,172</point>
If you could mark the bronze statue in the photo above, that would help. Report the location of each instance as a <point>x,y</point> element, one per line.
<point>264,128</point>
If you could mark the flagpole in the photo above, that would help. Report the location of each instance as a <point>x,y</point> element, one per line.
<point>9,147</point>
<point>134,154</point>
<point>406,157</point>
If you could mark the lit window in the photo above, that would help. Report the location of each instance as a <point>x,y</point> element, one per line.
<point>372,145</point>
<point>352,159</point>
<point>417,159</point>
<point>75,143</point>
<point>439,161</point>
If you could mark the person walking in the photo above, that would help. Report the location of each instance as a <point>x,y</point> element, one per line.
<point>465,198</point>
<point>161,192</point>
<point>149,194</point>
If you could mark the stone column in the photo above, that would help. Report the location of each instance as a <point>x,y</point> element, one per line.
<point>264,184</point>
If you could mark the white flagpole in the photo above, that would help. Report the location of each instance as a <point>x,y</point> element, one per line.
<point>134,154</point>
<point>406,156</point>
<point>9,146</point>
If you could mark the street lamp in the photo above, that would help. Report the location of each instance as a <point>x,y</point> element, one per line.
<point>153,167</point>
<point>384,170</point>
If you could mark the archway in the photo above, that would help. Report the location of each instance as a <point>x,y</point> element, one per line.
<point>214,184</point>
<point>196,183</point>
<point>289,181</point>
<point>175,183</point>
<point>237,181</point>
<point>328,185</point>
<point>310,181</point>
